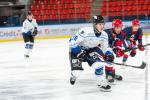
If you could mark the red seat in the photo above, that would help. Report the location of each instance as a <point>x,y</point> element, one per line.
<point>42,12</point>
<point>87,16</point>
<point>32,7</point>
<point>77,6</point>
<point>50,7</point>
<point>60,6</point>
<point>89,5</point>
<point>104,4</point>
<point>44,7</point>
<point>45,17</point>
<point>55,7</point>
<point>35,2</point>
<point>40,17</point>
<point>53,12</point>
<point>40,2</point>
<point>47,12</point>
<point>35,13</point>
<point>52,17</point>
<point>63,16</point>
<point>38,7</point>
<point>84,5</point>
<point>69,1</point>
<point>46,2</point>
<point>51,1</point>
<point>88,10</point>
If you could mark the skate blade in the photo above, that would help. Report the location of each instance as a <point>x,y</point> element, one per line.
<point>103,90</point>
<point>112,83</point>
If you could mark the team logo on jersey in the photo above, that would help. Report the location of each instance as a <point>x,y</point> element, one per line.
<point>132,36</point>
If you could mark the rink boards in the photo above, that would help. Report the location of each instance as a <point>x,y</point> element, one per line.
<point>8,34</point>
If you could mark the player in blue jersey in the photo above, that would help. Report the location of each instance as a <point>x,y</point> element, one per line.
<point>116,39</point>
<point>134,34</point>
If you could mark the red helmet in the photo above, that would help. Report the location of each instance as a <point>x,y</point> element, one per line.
<point>117,23</point>
<point>135,22</point>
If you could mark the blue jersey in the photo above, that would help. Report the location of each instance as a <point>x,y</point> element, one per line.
<point>115,39</point>
<point>136,35</point>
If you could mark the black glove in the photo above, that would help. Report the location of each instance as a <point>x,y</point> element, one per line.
<point>35,31</point>
<point>81,56</point>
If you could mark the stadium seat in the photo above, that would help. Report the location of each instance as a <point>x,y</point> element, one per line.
<point>43,7</point>
<point>47,12</point>
<point>38,7</point>
<point>32,8</point>
<point>46,2</point>
<point>50,7</point>
<point>54,9</point>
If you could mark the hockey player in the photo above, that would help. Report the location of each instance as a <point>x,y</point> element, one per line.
<point>116,39</point>
<point>134,33</point>
<point>29,31</point>
<point>89,44</point>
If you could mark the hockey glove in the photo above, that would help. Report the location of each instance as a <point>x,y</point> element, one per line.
<point>35,31</point>
<point>81,56</point>
<point>141,47</point>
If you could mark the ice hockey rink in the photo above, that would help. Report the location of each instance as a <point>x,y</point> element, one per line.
<point>45,75</point>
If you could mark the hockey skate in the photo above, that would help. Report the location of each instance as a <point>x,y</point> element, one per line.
<point>118,77</point>
<point>104,86</point>
<point>110,79</point>
<point>72,80</point>
<point>26,56</point>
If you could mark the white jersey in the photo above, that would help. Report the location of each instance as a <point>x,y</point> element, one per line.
<point>86,38</point>
<point>29,26</point>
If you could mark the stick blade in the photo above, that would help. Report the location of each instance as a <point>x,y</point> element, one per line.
<point>143,65</point>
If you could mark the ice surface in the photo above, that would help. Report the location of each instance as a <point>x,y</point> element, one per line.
<point>45,76</point>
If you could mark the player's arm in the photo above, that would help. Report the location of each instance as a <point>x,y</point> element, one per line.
<point>140,44</point>
<point>35,31</point>
<point>140,36</point>
<point>75,41</point>
<point>24,27</point>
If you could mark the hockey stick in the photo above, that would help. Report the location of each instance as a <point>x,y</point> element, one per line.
<point>135,48</point>
<point>142,66</point>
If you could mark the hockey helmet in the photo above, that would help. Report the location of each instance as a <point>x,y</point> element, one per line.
<point>98,19</point>
<point>135,22</point>
<point>117,23</point>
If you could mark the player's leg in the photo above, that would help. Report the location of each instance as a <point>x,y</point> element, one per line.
<point>133,53</point>
<point>125,58</point>
<point>130,44</point>
<point>29,41</point>
<point>99,67</point>
<point>100,76</point>
<point>76,67</point>
<point>109,67</point>
<point>109,70</point>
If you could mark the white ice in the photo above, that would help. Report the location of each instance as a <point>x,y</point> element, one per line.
<point>45,75</point>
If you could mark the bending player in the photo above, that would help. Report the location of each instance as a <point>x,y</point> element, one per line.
<point>29,31</point>
<point>90,45</point>
<point>134,33</point>
<point>116,39</point>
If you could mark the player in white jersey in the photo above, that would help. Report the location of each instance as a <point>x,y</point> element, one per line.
<point>29,31</point>
<point>89,45</point>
